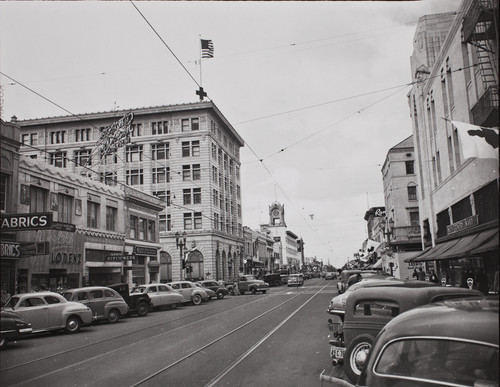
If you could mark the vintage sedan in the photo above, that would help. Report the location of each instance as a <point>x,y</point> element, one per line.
<point>190,292</point>
<point>220,290</point>
<point>12,327</point>
<point>368,310</point>
<point>337,303</point>
<point>105,303</point>
<point>49,311</point>
<point>346,274</point>
<point>161,295</point>
<point>451,343</point>
<point>211,294</point>
<point>295,280</point>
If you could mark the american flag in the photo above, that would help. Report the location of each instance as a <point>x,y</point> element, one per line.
<point>207,49</point>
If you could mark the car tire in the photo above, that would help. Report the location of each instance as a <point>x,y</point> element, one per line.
<point>253,290</point>
<point>220,295</point>
<point>264,291</point>
<point>196,299</point>
<point>113,316</point>
<point>142,309</point>
<point>3,342</point>
<point>242,292</point>
<point>173,306</point>
<point>73,324</point>
<point>352,365</point>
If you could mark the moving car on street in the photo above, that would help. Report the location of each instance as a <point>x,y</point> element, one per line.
<point>248,283</point>
<point>161,295</point>
<point>368,310</point>
<point>49,311</point>
<point>344,277</point>
<point>220,290</point>
<point>190,292</point>
<point>12,327</point>
<point>330,275</point>
<point>105,303</point>
<point>295,280</point>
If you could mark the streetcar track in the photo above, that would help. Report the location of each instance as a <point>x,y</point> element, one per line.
<point>230,333</point>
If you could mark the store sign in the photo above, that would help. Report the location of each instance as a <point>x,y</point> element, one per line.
<point>65,258</point>
<point>63,226</point>
<point>10,249</point>
<point>22,222</point>
<point>463,224</point>
<point>140,250</point>
<point>34,248</point>
<point>119,257</point>
<point>380,212</point>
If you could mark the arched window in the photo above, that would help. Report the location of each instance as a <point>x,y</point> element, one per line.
<point>194,266</point>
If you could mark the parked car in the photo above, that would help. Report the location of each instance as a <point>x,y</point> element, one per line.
<point>449,343</point>
<point>105,303</point>
<point>49,311</point>
<point>344,277</point>
<point>12,327</point>
<point>366,313</point>
<point>211,294</point>
<point>220,290</point>
<point>295,280</point>
<point>161,295</point>
<point>248,283</point>
<point>284,278</point>
<point>273,279</point>
<point>337,303</point>
<point>190,291</point>
<point>330,275</point>
<point>138,303</point>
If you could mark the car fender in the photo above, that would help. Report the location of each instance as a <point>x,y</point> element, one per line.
<point>122,307</point>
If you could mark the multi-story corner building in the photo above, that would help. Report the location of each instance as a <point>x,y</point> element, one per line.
<point>187,155</point>
<point>63,230</point>
<point>455,69</point>
<point>401,229</point>
<point>258,252</point>
<point>286,242</point>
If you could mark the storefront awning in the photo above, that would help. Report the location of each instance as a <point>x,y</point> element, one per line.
<point>413,258</point>
<point>490,245</point>
<point>457,248</point>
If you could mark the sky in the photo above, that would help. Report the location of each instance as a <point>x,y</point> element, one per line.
<point>317,90</point>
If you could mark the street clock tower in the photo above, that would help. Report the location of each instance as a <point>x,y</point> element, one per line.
<point>277,214</point>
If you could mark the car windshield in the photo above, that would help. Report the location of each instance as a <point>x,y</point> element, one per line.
<point>12,302</point>
<point>138,290</point>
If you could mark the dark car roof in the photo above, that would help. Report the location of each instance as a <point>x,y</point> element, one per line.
<point>471,319</point>
<point>407,298</point>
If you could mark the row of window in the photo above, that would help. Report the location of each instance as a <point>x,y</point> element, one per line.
<point>142,229</point>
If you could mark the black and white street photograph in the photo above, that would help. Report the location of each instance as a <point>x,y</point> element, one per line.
<point>249,193</point>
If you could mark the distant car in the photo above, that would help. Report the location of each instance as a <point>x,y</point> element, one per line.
<point>366,313</point>
<point>49,311</point>
<point>190,291</point>
<point>105,303</point>
<point>138,303</point>
<point>273,279</point>
<point>12,327</point>
<point>295,280</point>
<point>330,275</point>
<point>161,295</point>
<point>284,278</point>
<point>220,290</point>
<point>452,343</point>
<point>248,283</point>
<point>344,277</point>
<point>337,303</point>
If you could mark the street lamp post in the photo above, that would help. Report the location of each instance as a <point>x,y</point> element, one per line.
<point>180,241</point>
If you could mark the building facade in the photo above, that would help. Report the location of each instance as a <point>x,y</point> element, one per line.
<point>258,252</point>
<point>401,229</point>
<point>286,242</point>
<point>455,69</point>
<point>187,155</point>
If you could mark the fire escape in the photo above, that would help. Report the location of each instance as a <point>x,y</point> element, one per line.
<point>480,29</point>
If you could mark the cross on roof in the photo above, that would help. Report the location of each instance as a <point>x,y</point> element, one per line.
<point>201,93</point>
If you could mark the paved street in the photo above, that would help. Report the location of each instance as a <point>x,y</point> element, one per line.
<point>279,338</point>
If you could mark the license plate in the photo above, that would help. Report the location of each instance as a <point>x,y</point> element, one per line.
<point>337,352</point>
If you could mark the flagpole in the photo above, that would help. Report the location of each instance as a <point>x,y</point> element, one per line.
<point>201,79</point>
